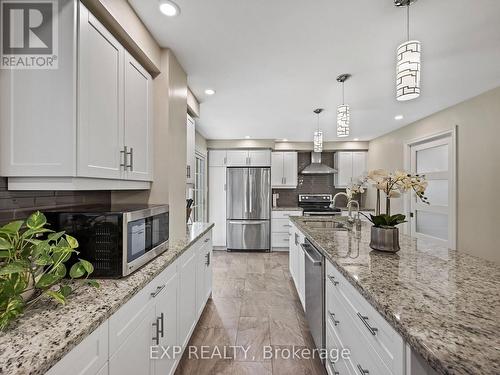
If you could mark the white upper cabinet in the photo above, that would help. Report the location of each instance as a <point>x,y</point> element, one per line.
<point>217,158</point>
<point>138,122</point>
<point>237,158</point>
<point>89,123</point>
<point>190,149</point>
<point>350,166</point>
<point>100,110</point>
<point>284,170</point>
<point>247,158</point>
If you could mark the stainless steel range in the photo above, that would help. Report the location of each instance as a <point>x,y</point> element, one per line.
<point>317,205</point>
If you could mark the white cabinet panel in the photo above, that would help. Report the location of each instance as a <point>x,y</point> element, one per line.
<point>217,203</point>
<point>259,158</point>
<point>290,169</point>
<point>279,240</point>
<point>187,295</point>
<point>190,148</point>
<point>276,169</point>
<point>301,275</point>
<point>88,357</point>
<point>344,167</point>
<point>237,158</point>
<point>217,158</point>
<point>138,122</point>
<point>358,165</point>
<point>100,126</point>
<point>203,274</point>
<point>133,355</point>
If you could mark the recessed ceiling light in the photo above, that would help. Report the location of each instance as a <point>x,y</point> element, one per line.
<point>356,139</point>
<point>210,91</point>
<point>247,137</point>
<point>169,8</point>
<point>398,117</point>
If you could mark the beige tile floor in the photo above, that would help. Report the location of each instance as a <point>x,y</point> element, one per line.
<point>254,304</point>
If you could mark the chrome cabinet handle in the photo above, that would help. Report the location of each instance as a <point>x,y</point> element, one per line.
<point>157,291</point>
<point>123,158</point>
<point>284,179</point>
<point>131,155</point>
<point>362,371</point>
<point>225,160</point>
<point>332,366</point>
<point>332,317</point>
<point>296,239</point>
<point>162,330</point>
<point>207,239</point>
<point>364,319</point>
<point>333,281</point>
<point>207,257</point>
<point>188,171</point>
<point>156,324</point>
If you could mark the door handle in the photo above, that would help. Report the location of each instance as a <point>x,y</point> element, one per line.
<point>207,257</point>
<point>332,317</point>
<point>308,251</point>
<point>158,290</point>
<point>131,159</point>
<point>161,331</point>
<point>156,324</point>
<point>248,222</point>
<point>188,171</point>
<point>123,158</point>
<point>364,319</point>
<point>333,281</point>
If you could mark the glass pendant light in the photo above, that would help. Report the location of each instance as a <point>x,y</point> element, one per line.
<point>343,111</point>
<point>318,134</point>
<point>408,62</point>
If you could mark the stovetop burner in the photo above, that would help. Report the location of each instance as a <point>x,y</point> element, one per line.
<point>317,204</point>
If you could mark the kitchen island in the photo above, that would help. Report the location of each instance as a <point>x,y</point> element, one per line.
<point>47,332</point>
<point>444,304</point>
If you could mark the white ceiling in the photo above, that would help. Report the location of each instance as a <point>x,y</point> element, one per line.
<point>273,62</point>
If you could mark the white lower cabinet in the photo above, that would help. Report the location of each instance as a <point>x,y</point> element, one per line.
<point>297,262</point>
<point>160,316</point>
<point>280,228</point>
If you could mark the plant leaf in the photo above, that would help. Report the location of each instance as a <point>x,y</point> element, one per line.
<point>87,265</point>
<point>76,271</point>
<point>36,220</point>
<point>12,227</point>
<point>43,260</point>
<point>17,266</point>
<point>13,308</point>
<point>4,254</point>
<point>5,244</point>
<point>93,283</point>
<point>55,236</point>
<point>73,243</point>
<point>65,290</point>
<point>58,296</point>
<point>47,280</point>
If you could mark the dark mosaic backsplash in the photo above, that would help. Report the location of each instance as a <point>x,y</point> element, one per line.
<point>19,204</point>
<point>311,184</point>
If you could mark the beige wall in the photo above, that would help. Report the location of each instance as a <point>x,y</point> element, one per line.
<point>269,143</point>
<point>478,161</point>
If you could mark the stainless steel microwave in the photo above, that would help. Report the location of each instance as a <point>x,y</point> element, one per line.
<point>116,239</point>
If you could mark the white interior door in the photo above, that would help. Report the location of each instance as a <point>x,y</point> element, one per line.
<point>435,221</point>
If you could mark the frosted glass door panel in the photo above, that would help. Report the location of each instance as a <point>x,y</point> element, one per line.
<point>433,159</point>
<point>437,192</point>
<point>432,224</point>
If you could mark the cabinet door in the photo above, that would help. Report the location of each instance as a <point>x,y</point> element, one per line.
<point>217,158</point>
<point>358,164</point>
<point>187,294</point>
<point>190,148</point>
<point>100,109</point>
<point>138,122</point>
<point>301,275</point>
<point>166,315</point>
<point>203,275</point>
<point>133,356</point>
<point>217,203</point>
<point>344,167</point>
<point>290,171</point>
<point>237,158</point>
<point>259,158</point>
<point>277,169</point>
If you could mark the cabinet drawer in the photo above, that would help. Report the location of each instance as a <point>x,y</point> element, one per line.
<point>285,214</point>
<point>280,226</point>
<point>337,363</point>
<point>384,339</point>
<point>280,239</point>
<point>87,358</point>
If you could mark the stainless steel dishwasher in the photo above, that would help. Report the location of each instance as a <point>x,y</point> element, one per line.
<point>314,292</point>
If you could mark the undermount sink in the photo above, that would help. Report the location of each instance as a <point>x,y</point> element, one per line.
<point>325,224</point>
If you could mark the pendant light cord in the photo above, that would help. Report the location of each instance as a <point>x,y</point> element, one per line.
<point>408,21</point>
<point>343,97</point>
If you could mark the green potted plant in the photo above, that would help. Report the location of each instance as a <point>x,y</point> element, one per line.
<point>32,265</point>
<point>384,232</point>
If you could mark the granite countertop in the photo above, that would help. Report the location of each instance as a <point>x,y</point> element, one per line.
<point>445,304</point>
<point>361,209</point>
<point>287,208</point>
<point>46,332</point>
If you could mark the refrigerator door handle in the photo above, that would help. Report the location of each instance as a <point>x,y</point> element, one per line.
<point>250,190</point>
<point>247,222</point>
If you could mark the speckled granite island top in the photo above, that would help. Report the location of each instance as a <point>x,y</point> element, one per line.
<point>445,304</point>
<point>46,332</point>
<point>287,209</point>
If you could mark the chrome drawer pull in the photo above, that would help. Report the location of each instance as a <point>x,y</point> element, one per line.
<point>332,317</point>
<point>332,279</point>
<point>364,319</point>
<point>156,324</point>
<point>157,291</point>
<point>162,330</point>
<point>332,366</point>
<point>362,371</point>
<point>207,239</point>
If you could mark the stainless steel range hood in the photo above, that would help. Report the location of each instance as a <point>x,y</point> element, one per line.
<point>316,167</point>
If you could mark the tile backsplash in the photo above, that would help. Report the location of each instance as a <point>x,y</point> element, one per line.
<point>310,184</point>
<point>19,204</point>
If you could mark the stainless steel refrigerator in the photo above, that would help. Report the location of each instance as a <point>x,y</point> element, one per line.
<point>248,208</point>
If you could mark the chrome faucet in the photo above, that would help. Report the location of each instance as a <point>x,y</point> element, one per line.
<point>349,206</point>
<point>335,198</point>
